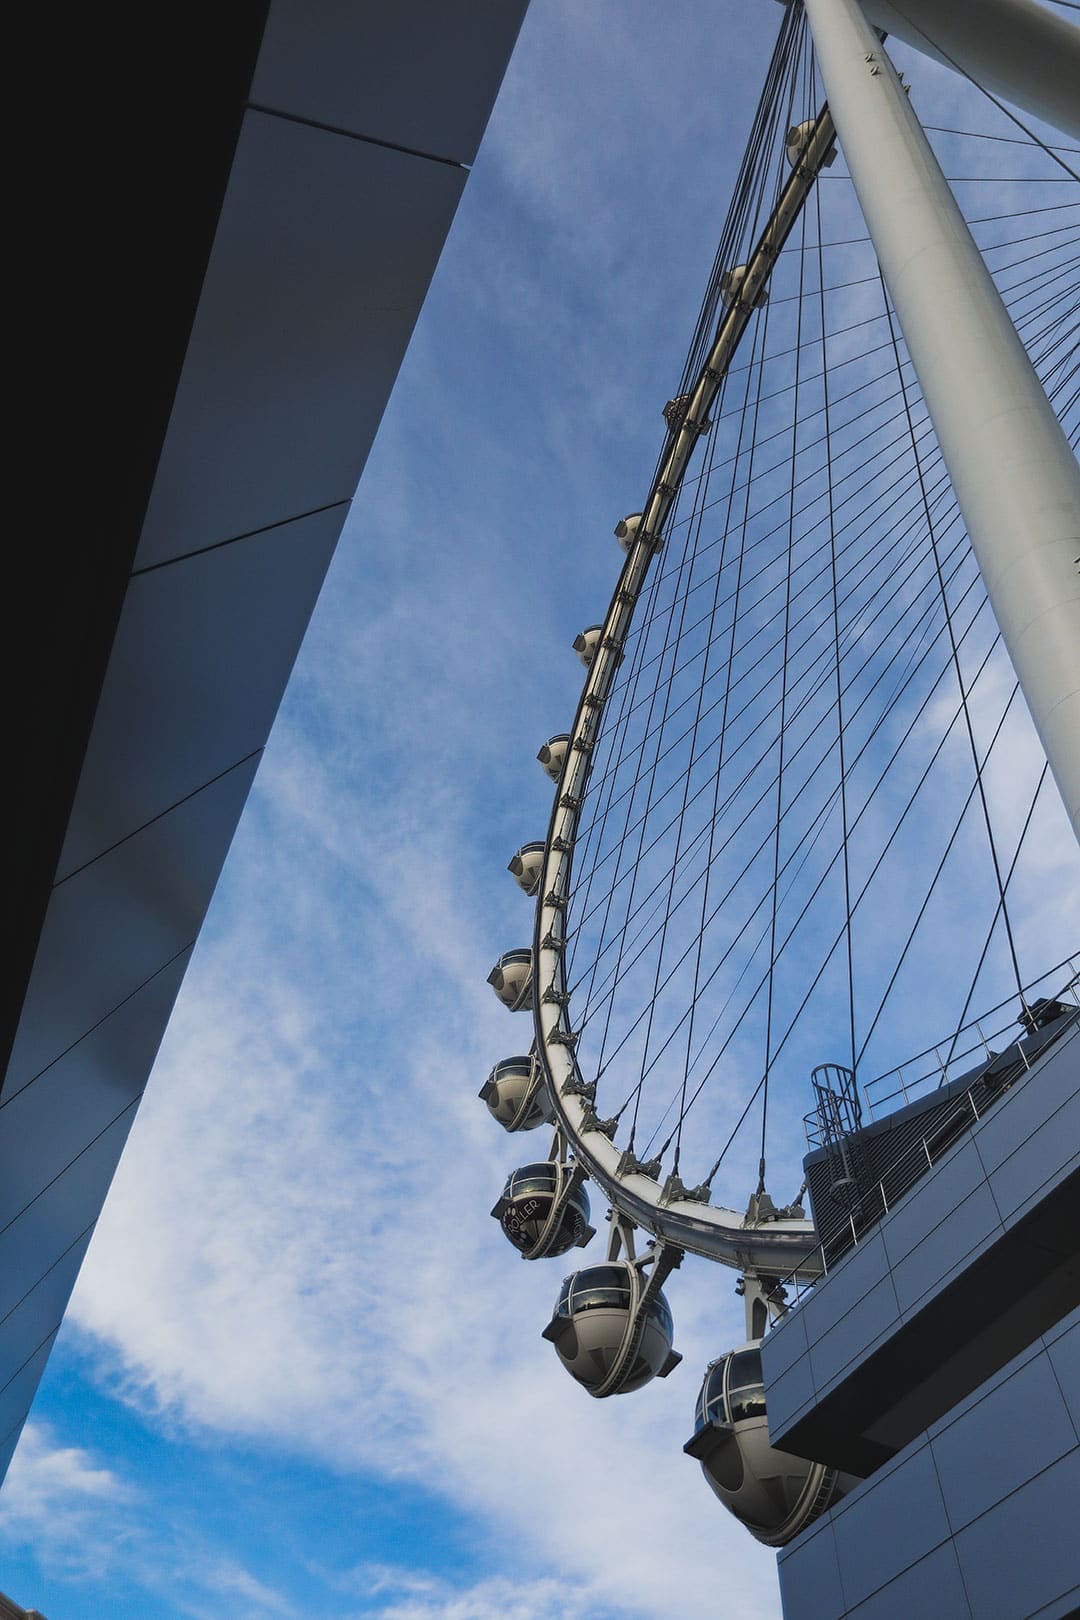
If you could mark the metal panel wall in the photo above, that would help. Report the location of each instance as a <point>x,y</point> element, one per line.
<point>323,257</point>
<point>966,1270</point>
<point>975,1520</point>
<point>344,182</point>
<point>427,86</point>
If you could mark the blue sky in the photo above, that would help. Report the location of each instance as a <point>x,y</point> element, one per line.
<point>302,1371</point>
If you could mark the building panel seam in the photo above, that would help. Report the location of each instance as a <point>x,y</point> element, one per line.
<point>354,135</point>
<point>233,539</point>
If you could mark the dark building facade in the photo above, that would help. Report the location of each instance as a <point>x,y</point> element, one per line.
<point>257,196</point>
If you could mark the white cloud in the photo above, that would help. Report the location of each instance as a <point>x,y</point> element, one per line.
<point>297,1245</point>
<point>224,1578</point>
<point>408,1597</point>
<point>46,1478</point>
<point>57,1499</point>
<point>87,1524</point>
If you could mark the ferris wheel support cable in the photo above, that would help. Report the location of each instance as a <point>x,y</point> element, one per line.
<point>898,532</point>
<point>822,681</point>
<point>1055,247</point>
<point>841,766</point>
<point>825,809</point>
<point>1041,282</point>
<point>822,820</point>
<point>1015,476</point>
<point>993,921</point>
<point>1008,140</point>
<point>940,868</point>
<point>801,855</point>
<point>837,939</point>
<point>1022,213</point>
<point>872,482</point>
<point>969,727</point>
<point>782,728</point>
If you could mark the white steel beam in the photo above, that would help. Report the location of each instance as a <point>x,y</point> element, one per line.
<point>1016,479</point>
<point>1020,51</point>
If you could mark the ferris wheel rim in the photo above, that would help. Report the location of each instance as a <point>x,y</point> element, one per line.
<point>777,1246</point>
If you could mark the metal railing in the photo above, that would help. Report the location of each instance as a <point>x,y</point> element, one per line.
<point>958,1052</point>
<point>873,1202</point>
<point>955,1054</point>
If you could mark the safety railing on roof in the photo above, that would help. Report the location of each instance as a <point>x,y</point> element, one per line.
<point>873,1201</point>
<point>958,1052</point>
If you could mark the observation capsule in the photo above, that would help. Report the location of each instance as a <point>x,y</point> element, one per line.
<point>731,283</point>
<point>773,1493</point>
<point>553,754</point>
<point>544,1209</point>
<point>605,1337</point>
<point>526,866</point>
<point>511,979</point>
<point>516,1096</point>
<point>587,643</point>
<point>675,411</point>
<point>626,530</point>
<point>798,138</point>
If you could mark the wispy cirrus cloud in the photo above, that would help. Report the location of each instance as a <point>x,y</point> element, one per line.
<point>298,1249</point>
<point>403,1595</point>
<point>60,1499</point>
<point>89,1525</point>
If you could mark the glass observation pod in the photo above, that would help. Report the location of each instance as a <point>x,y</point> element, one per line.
<point>773,1493</point>
<point>544,1209</point>
<point>516,1095</point>
<point>798,138</point>
<point>587,642</point>
<point>553,754</point>
<point>731,283</point>
<point>626,530</point>
<point>605,1336</point>
<point>511,979</point>
<point>527,865</point>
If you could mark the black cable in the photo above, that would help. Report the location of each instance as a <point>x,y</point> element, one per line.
<point>983,135</point>
<point>937,49</point>
<point>842,771</point>
<point>825,810</point>
<point>836,941</point>
<point>1044,773</point>
<point>967,713</point>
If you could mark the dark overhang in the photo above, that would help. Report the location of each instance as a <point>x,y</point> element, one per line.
<point>252,199</point>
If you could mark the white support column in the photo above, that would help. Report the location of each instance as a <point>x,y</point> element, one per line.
<point>1015,477</point>
<point>1022,52</point>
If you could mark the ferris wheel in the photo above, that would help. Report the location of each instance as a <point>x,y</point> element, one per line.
<point>798,850</point>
